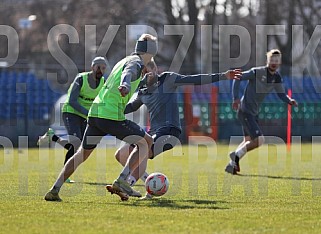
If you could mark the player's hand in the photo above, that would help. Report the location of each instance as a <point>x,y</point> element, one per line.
<point>293,102</point>
<point>123,90</point>
<point>148,75</point>
<point>236,104</point>
<point>235,74</point>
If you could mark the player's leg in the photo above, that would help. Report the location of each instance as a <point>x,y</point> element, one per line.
<point>92,137</point>
<point>123,153</point>
<point>136,157</point>
<point>138,172</point>
<point>131,133</point>
<point>235,160</point>
<point>253,138</point>
<point>164,139</point>
<point>69,168</point>
<point>75,126</point>
<point>47,138</point>
<point>82,153</point>
<point>244,142</point>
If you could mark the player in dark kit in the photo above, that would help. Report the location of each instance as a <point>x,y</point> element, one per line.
<point>161,99</point>
<point>80,97</point>
<point>261,81</point>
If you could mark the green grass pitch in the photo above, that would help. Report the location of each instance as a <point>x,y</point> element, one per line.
<point>277,192</point>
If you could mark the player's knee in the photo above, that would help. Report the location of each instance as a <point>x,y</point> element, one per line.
<point>149,140</point>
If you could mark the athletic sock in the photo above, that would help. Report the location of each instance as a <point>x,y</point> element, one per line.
<point>144,176</point>
<point>55,189</point>
<point>240,152</point>
<point>58,184</point>
<point>124,174</point>
<point>55,138</point>
<point>232,163</point>
<point>131,180</point>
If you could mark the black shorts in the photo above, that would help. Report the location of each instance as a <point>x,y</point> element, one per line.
<point>97,128</point>
<point>250,125</point>
<point>165,138</point>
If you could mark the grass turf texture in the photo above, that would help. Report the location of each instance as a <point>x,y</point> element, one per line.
<point>280,193</point>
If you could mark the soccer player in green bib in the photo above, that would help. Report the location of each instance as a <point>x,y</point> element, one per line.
<point>80,97</point>
<point>106,116</point>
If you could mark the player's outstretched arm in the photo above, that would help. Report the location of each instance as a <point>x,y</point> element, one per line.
<point>234,74</point>
<point>201,79</point>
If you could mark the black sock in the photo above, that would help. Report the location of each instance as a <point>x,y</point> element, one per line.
<point>70,152</point>
<point>237,159</point>
<point>55,138</point>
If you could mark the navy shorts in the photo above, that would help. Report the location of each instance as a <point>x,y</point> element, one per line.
<point>97,128</point>
<point>75,124</point>
<point>165,138</point>
<point>250,125</point>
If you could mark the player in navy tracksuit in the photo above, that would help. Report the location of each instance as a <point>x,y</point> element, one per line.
<point>261,81</point>
<point>161,99</point>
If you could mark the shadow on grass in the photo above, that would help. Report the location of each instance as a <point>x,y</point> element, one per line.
<point>178,204</point>
<point>157,203</point>
<point>101,184</point>
<point>91,183</point>
<point>166,203</point>
<point>280,177</point>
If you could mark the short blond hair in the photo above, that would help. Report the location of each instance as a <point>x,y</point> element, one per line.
<point>147,37</point>
<point>273,52</point>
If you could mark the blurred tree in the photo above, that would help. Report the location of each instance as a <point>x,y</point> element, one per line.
<point>290,13</point>
<point>198,13</point>
<point>34,51</point>
<point>184,13</point>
